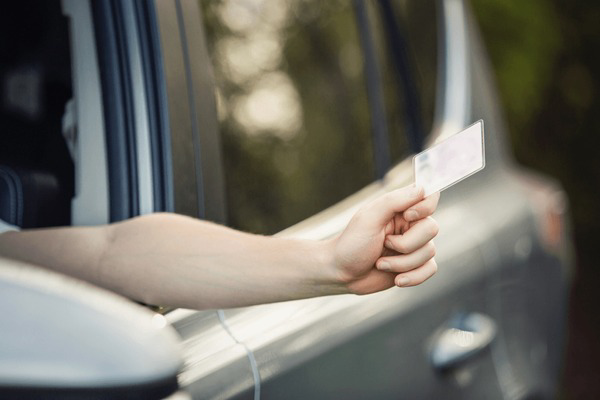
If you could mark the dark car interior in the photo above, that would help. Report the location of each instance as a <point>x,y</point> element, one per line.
<point>36,166</point>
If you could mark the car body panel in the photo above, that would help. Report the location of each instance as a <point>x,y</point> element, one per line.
<point>216,365</point>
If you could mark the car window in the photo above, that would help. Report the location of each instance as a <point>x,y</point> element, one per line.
<point>405,35</point>
<point>293,105</point>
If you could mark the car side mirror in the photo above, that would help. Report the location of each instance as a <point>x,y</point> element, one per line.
<point>62,338</point>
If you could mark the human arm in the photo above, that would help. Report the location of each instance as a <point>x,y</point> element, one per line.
<point>179,261</point>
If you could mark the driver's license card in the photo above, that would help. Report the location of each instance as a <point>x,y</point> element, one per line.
<point>450,161</point>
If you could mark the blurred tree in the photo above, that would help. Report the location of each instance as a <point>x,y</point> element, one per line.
<point>293,108</point>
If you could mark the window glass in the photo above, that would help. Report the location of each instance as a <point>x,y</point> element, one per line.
<point>292,107</point>
<point>407,50</point>
<point>420,20</point>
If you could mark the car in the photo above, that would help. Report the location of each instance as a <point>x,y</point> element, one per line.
<point>281,118</point>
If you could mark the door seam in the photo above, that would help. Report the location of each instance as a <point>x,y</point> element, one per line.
<point>249,354</point>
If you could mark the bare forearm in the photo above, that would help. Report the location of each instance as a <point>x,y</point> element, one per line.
<point>175,260</point>
<point>172,260</point>
<point>74,251</point>
<point>178,261</point>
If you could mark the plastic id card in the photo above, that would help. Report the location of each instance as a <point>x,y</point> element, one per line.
<point>450,161</point>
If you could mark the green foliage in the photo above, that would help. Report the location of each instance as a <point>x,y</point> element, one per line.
<point>544,55</point>
<point>524,41</point>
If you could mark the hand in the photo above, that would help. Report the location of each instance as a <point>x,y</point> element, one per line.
<point>388,242</point>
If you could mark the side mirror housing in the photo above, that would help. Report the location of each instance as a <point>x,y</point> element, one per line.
<point>62,338</point>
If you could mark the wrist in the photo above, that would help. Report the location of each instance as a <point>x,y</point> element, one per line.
<point>331,275</point>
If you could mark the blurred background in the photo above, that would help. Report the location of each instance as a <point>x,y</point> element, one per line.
<point>545,56</point>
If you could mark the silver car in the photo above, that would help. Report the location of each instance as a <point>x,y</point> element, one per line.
<point>277,117</point>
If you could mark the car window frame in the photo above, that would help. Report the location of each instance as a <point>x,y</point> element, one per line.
<point>192,107</point>
<point>202,87</point>
<point>91,202</point>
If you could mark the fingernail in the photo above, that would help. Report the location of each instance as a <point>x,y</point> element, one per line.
<point>411,215</point>
<point>388,244</point>
<point>402,281</point>
<point>384,266</point>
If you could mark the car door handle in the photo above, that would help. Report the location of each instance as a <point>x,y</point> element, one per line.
<point>465,336</point>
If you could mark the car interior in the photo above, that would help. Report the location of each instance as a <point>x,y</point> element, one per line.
<point>36,143</point>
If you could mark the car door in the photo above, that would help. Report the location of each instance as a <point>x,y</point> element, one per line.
<point>316,119</point>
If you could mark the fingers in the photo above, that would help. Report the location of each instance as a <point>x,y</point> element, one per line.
<point>381,210</point>
<point>414,238</point>
<point>418,275</point>
<point>407,262</point>
<point>422,209</point>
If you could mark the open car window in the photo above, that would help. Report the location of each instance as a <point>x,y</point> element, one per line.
<point>293,109</point>
<point>294,104</point>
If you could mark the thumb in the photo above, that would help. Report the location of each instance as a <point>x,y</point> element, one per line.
<point>382,209</point>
